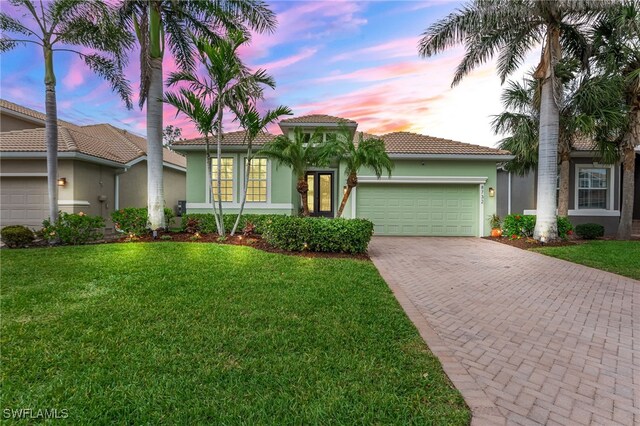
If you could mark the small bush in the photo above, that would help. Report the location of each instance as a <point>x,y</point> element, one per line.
<point>135,221</point>
<point>520,225</point>
<point>590,231</point>
<point>206,222</point>
<point>16,236</point>
<point>73,228</point>
<point>319,234</point>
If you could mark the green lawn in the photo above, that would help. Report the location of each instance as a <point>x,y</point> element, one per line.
<point>178,333</point>
<point>620,257</point>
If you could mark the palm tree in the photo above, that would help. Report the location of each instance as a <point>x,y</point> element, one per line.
<point>227,82</point>
<point>588,106</point>
<point>155,21</point>
<point>65,26</point>
<point>299,153</point>
<point>203,116</point>
<point>617,53</point>
<point>254,124</point>
<point>368,152</point>
<point>510,29</point>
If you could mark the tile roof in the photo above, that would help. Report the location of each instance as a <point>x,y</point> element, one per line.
<point>4,104</point>
<point>230,138</point>
<point>99,140</point>
<point>317,119</point>
<point>583,143</point>
<point>413,143</point>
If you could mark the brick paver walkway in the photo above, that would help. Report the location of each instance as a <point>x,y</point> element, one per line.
<point>546,341</point>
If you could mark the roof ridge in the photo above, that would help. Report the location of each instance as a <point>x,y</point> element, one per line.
<point>65,132</point>
<point>121,134</point>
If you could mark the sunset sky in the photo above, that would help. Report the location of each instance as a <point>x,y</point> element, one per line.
<point>357,60</point>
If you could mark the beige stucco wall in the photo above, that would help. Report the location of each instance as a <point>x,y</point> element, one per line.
<point>133,186</point>
<point>9,123</point>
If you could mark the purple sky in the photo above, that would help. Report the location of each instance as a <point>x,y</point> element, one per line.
<point>357,60</point>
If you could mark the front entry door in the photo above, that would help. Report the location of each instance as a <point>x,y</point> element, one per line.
<point>320,196</point>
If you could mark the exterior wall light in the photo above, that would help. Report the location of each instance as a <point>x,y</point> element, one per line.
<point>62,181</point>
<point>492,192</point>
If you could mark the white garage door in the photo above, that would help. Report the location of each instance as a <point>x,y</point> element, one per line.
<point>23,201</point>
<point>420,209</point>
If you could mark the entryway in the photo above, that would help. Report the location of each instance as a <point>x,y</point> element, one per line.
<point>320,196</point>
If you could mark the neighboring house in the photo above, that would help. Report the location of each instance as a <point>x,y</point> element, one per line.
<point>100,169</point>
<point>594,190</point>
<point>438,187</point>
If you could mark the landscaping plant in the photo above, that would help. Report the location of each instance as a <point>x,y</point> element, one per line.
<point>590,231</point>
<point>16,236</point>
<point>74,229</point>
<point>522,226</point>
<point>368,152</point>
<point>319,234</point>
<point>135,221</point>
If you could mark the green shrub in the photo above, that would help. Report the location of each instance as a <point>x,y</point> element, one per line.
<point>319,234</point>
<point>16,236</point>
<point>590,231</point>
<point>565,227</point>
<point>135,221</point>
<point>205,222</point>
<point>73,228</point>
<point>519,225</point>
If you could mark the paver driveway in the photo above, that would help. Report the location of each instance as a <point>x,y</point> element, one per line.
<point>545,340</point>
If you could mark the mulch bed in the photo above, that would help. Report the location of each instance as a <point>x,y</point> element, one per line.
<point>529,243</point>
<point>254,241</point>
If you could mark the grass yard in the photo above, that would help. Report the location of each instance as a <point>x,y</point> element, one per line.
<point>179,333</point>
<point>620,257</point>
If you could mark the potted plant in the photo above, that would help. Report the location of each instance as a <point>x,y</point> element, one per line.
<point>495,222</point>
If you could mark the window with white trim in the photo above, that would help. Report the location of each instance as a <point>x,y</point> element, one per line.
<point>257,185</point>
<point>593,187</point>
<point>226,181</point>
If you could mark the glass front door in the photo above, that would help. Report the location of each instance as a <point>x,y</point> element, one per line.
<point>320,196</point>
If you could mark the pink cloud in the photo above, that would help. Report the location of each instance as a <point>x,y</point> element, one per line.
<point>382,72</point>
<point>404,47</point>
<point>290,60</point>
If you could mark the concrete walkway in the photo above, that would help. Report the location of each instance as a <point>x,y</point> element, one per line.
<point>528,339</point>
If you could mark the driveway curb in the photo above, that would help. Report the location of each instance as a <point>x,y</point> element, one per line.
<point>483,411</point>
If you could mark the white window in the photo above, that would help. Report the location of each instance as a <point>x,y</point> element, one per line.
<point>226,181</point>
<point>593,187</point>
<point>257,187</point>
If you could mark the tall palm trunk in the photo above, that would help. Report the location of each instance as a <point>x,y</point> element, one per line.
<point>303,188</point>
<point>155,189</point>
<point>219,157</point>
<point>210,185</point>
<point>563,194</point>
<point>632,139</point>
<point>245,188</point>
<point>546,223</point>
<point>51,133</point>
<point>352,182</point>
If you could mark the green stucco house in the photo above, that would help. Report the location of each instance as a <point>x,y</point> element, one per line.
<point>438,187</point>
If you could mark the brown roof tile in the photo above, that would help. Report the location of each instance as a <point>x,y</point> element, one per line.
<point>98,140</point>
<point>413,143</point>
<point>230,138</point>
<point>317,119</point>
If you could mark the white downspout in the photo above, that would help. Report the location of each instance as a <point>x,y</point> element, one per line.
<point>509,196</point>
<point>116,202</point>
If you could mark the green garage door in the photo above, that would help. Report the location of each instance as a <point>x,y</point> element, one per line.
<point>420,209</point>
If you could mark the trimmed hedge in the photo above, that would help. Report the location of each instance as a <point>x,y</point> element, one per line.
<point>71,228</point>
<point>590,231</point>
<point>16,236</point>
<point>135,221</point>
<point>205,223</point>
<point>319,234</point>
<point>520,225</point>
